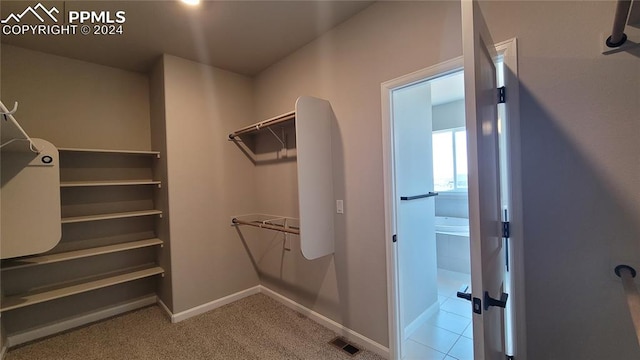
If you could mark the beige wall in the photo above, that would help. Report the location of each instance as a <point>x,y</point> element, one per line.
<point>449,115</point>
<point>73,103</point>
<point>210,181</point>
<point>579,113</point>
<point>160,172</point>
<point>579,158</point>
<point>579,116</point>
<point>346,67</point>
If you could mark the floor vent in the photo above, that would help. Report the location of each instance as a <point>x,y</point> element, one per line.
<point>345,346</point>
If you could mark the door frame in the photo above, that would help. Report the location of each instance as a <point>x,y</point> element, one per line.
<point>508,51</point>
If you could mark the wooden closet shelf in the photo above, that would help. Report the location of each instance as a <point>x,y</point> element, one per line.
<point>109,151</point>
<point>85,218</point>
<point>78,254</point>
<point>22,300</point>
<point>66,184</point>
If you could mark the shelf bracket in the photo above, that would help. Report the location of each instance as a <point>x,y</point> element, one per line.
<point>281,141</point>
<point>16,130</point>
<point>10,112</point>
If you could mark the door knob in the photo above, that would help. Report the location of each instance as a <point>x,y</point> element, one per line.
<point>489,301</point>
<point>463,294</point>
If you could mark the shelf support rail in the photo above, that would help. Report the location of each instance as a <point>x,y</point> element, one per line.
<point>266,123</point>
<point>268,224</point>
<point>7,116</point>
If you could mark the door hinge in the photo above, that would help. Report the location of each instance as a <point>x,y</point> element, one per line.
<point>394,238</point>
<point>506,229</point>
<point>506,233</point>
<point>502,95</point>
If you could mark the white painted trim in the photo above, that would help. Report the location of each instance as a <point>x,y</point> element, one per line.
<point>509,50</point>
<point>393,311</point>
<point>447,67</point>
<point>328,323</point>
<point>420,320</point>
<point>165,308</point>
<point>201,309</point>
<point>3,341</point>
<point>47,330</point>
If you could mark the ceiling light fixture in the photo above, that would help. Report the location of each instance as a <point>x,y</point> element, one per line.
<point>191,2</point>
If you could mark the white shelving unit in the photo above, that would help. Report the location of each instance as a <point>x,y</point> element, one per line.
<point>78,254</point>
<point>39,296</point>
<point>312,119</point>
<point>109,257</point>
<point>98,217</point>
<point>109,151</point>
<point>270,222</point>
<point>108,183</point>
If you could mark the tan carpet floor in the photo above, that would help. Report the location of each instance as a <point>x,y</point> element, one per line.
<point>256,327</point>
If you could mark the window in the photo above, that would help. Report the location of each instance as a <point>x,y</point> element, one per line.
<point>450,160</point>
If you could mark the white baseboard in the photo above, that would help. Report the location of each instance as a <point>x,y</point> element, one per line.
<point>328,323</point>
<point>420,320</point>
<point>201,309</point>
<point>47,330</point>
<point>166,309</point>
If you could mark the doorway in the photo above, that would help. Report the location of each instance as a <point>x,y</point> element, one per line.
<point>430,175</point>
<point>444,269</point>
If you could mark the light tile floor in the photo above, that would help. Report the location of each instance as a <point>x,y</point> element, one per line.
<point>448,334</point>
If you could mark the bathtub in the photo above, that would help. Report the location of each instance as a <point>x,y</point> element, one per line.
<point>452,244</point>
<point>452,225</point>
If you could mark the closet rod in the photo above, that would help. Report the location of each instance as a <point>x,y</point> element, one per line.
<point>618,37</point>
<point>263,225</point>
<point>627,273</point>
<point>266,123</point>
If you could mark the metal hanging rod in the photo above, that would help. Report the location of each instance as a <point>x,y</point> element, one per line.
<point>266,225</point>
<point>618,37</point>
<point>263,124</point>
<point>627,273</point>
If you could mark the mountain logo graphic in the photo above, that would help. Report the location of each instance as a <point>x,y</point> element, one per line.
<point>35,11</point>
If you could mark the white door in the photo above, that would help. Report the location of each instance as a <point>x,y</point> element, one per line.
<point>487,253</point>
<point>415,206</point>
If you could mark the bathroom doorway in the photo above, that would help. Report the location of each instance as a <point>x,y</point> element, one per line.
<point>432,217</point>
<point>416,332</point>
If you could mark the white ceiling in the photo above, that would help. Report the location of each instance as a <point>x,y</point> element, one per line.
<point>240,36</point>
<point>447,89</point>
